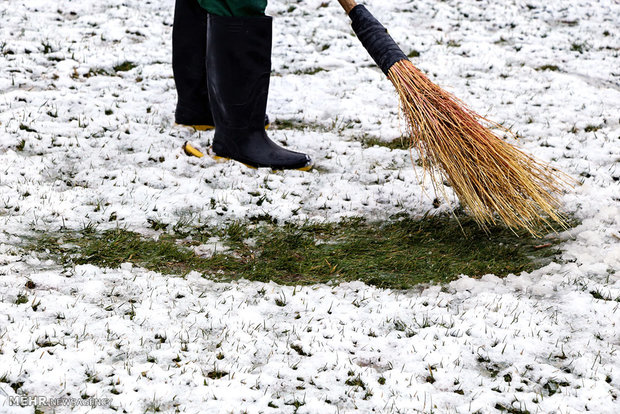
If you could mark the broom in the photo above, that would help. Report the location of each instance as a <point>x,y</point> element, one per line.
<point>491,177</point>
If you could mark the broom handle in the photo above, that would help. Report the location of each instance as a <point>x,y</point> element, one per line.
<point>347,5</point>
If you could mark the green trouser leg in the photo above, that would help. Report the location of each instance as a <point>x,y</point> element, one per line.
<point>236,8</point>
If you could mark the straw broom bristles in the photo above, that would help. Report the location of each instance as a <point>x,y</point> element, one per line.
<point>490,176</point>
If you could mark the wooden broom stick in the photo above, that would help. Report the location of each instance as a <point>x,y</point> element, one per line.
<point>347,5</point>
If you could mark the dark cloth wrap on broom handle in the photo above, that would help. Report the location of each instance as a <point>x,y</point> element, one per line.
<point>375,38</point>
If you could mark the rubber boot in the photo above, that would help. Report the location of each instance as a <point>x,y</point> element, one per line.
<point>238,72</point>
<point>239,68</point>
<point>189,53</point>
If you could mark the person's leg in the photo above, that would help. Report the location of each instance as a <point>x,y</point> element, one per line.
<point>189,51</point>
<point>238,72</point>
<point>237,8</point>
<point>189,43</point>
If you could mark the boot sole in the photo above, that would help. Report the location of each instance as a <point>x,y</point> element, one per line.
<point>207,127</point>
<point>191,151</point>
<point>219,159</point>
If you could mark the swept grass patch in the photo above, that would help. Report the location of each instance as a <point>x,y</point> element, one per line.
<point>397,254</point>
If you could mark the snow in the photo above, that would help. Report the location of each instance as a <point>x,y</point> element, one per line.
<point>104,150</point>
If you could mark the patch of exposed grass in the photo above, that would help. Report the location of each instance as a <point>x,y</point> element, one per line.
<point>592,128</point>
<point>113,247</point>
<point>397,254</point>
<point>27,128</point>
<point>596,294</point>
<point>97,72</point>
<point>336,126</point>
<point>356,382</point>
<point>397,143</point>
<point>298,125</point>
<point>296,404</point>
<point>216,374</point>
<point>366,140</point>
<point>298,348</point>
<point>46,47</point>
<point>21,299</point>
<point>553,386</point>
<point>577,47</point>
<point>569,22</point>
<point>124,67</point>
<point>512,409</point>
<point>553,68</point>
<point>309,71</point>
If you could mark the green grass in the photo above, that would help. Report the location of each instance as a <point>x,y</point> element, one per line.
<point>298,125</point>
<point>98,71</point>
<point>124,67</point>
<point>309,71</point>
<point>397,254</point>
<point>367,141</point>
<point>24,127</point>
<point>397,143</point>
<point>552,68</point>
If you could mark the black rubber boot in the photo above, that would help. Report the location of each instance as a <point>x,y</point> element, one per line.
<point>189,52</point>
<point>238,69</point>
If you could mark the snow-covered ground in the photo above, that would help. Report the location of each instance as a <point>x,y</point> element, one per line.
<point>84,143</point>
